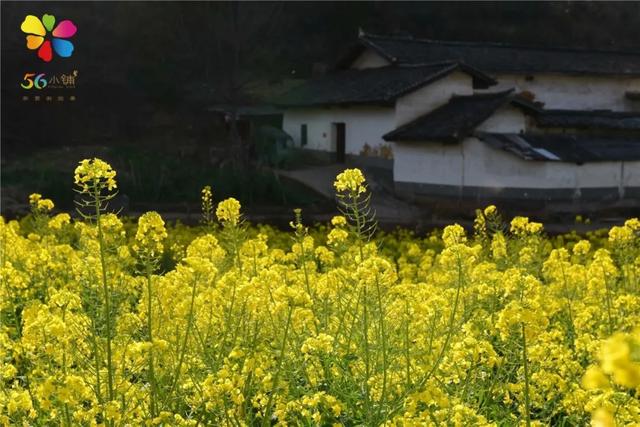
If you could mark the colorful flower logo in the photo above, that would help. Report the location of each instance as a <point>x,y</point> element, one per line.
<point>37,30</point>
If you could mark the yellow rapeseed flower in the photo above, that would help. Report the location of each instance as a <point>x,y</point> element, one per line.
<point>39,204</point>
<point>619,358</point>
<point>582,248</point>
<point>453,234</point>
<point>60,220</point>
<point>490,210</point>
<point>498,246</point>
<point>150,235</point>
<point>207,204</point>
<point>34,198</point>
<point>228,211</point>
<point>621,235</point>
<point>336,236</point>
<point>338,221</point>
<point>594,378</point>
<point>351,181</point>
<point>602,418</point>
<point>521,226</point>
<point>94,174</point>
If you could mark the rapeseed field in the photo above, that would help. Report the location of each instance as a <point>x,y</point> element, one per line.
<point>109,322</point>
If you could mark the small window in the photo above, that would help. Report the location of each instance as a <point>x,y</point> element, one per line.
<point>303,135</point>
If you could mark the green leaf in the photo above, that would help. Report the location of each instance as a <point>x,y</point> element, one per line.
<point>48,21</point>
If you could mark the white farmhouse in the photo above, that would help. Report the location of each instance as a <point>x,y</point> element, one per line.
<point>480,122</point>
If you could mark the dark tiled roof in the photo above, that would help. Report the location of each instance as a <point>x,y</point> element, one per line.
<point>503,58</point>
<point>588,119</point>
<point>371,86</point>
<point>565,148</point>
<point>246,110</point>
<point>453,121</point>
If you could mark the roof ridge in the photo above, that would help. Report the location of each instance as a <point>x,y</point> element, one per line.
<point>405,65</point>
<point>424,64</point>
<point>425,80</point>
<point>485,94</point>
<point>404,78</point>
<point>499,44</point>
<point>591,112</point>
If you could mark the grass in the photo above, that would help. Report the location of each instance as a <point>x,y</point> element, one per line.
<point>151,178</point>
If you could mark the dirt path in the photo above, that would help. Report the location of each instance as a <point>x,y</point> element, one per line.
<point>388,208</point>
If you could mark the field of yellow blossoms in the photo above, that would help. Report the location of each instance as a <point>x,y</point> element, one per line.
<point>106,321</point>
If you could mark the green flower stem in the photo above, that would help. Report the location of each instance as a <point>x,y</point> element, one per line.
<point>183,350</point>
<point>267,413</point>
<point>450,329</point>
<point>152,377</point>
<point>406,345</point>
<point>608,301</point>
<point>107,296</point>
<point>383,342</point>
<point>367,355</point>
<point>525,365</point>
<point>67,415</point>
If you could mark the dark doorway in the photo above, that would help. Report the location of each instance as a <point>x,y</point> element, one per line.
<point>340,142</point>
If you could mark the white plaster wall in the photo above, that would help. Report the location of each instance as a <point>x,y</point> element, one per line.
<point>369,59</point>
<point>363,125</point>
<point>427,163</point>
<point>574,92</point>
<point>431,96</point>
<point>631,174</point>
<point>367,125</point>
<point>506,119</point>
<point>480,165</point>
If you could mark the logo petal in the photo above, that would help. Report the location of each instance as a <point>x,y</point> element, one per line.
<point>63,48</point>
<point>45,53</point>
<point>65,29</point>
<point>48,21</point>
<point>32,25</point>
<point>34,42</point>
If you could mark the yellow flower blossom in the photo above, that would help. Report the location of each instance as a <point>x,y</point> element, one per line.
<point>338,221</point>
<point>602,418</point>
<point>39,204</point>
<point>92,174</point>
<point>490,210</point>
<point>336,236</point>
<point>150,235</point>
<point>228,211</point>
<point>498,246</point>
<point>58,221</point>
<point>594,378</point>
<point>453,234</point>
<point>582,248</point>
<point>207,204</point>
<point>620,357</point>
<point>351,181</point>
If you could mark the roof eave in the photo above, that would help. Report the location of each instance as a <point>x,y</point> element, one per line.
<point>368,43</point>
<point>376,103</point>
<point>397,133</point>
<point>475,72</point>
<point>389,137</point>
<point>422,83</point>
